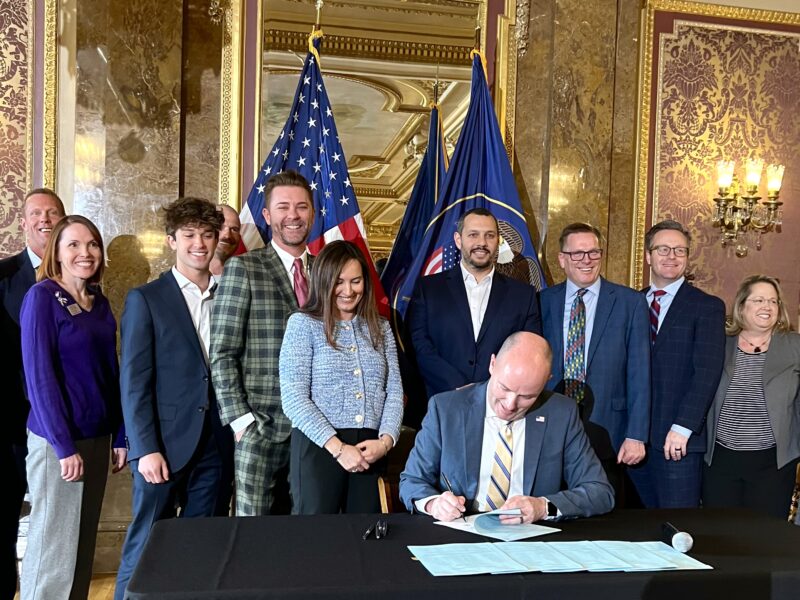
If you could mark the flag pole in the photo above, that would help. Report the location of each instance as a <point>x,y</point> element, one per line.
<point>318,4</point>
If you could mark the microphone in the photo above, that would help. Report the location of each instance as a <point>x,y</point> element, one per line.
<point>680,540</point>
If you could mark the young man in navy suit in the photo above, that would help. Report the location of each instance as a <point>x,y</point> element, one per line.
<point>600,335</point>
<point>506,443</point>
<point>179,453</point>
<point>688,337</point>
<point>41,210</point>
<point>459,318</point>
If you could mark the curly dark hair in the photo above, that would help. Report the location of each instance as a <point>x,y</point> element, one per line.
<point>195,212</point>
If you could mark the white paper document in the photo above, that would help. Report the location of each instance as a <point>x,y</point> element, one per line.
<point>551,557</point>
<point>488,524</point>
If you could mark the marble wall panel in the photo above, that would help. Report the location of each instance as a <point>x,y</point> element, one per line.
<point>566,91</point>
<point>15,48</point>
<point>202,41</point>
<point>532,126</point>
<point>127,131</point>
<point>623,143</point>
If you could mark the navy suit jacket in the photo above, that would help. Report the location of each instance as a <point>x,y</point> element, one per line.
<point>17,276</point>
<point>164,378</point>
<point>559,461</point>
<point>687,361</point>
<point>440,325</point>
<point>617,399</point>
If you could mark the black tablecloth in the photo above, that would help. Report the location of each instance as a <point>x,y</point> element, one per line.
<point>324,557</point>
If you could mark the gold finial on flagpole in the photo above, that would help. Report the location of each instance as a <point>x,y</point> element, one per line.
<point>318,4</point>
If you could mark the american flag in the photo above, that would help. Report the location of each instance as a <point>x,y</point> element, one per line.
<point>309,144</point>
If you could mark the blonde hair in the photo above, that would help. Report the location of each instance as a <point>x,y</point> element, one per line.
<point>736,324</point>
<point>51,268</point>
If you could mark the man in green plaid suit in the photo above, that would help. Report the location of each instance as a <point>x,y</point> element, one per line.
<point>258,292</point>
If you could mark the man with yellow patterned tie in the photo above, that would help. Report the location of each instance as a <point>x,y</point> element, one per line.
<point>506,443</point>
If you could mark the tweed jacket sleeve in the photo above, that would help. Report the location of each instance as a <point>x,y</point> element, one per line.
<point>393,409</point>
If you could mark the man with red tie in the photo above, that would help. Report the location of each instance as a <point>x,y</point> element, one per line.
<point>258,292</point>
<point>687,331</point>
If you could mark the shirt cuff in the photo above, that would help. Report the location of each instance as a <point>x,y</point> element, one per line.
<point>242,422</point>
<point>682,430</point>
<point>420,504</point>
<point>558,512</point>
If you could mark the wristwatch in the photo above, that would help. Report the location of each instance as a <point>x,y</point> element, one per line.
<point>552,510</point>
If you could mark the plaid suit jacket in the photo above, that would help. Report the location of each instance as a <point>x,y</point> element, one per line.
<point>253,303</point>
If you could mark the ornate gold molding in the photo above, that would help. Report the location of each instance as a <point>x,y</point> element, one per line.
<point>647,37</point>
<point>375,192</point>
<point>339,45</point>
<point>49,93</point>
<point>399,7</point>
<point>230,119</point>
<point>29,108</point>
<point>506,76</point>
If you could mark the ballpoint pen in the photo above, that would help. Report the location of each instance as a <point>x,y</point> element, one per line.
<point>368,532</point>
<point>450,489</point>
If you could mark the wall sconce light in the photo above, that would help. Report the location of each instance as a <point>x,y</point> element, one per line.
<point>738,214</point>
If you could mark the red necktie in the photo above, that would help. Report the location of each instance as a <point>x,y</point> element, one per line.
<point>655,311</point>
<point>300,283</point>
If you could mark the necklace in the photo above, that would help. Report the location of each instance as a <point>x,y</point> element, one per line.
<point>757,348</point>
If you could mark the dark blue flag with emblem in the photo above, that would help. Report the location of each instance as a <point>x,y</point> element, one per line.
<point>479,176</point>
<point>309,144</point>
<point>419,210</point>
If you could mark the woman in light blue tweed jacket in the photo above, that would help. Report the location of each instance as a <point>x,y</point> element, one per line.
<point>340,387</point>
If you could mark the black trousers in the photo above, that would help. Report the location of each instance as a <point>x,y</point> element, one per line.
<point>319,484</point>
<point>749,479</point>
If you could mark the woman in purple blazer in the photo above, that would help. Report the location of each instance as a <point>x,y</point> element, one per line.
<point>70,359</point>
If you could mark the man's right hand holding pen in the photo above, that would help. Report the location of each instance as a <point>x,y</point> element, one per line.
<point>447,507</point>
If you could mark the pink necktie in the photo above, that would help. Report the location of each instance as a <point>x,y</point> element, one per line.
<point>300,283</point>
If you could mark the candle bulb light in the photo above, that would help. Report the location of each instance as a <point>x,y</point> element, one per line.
<point>774,180</point>
<point>725,170</point>
<point>753,169</point>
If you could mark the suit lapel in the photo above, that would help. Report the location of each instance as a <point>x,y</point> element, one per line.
<point>274,267</point>
<point>496,297</point>
<point>458,291</point>
<point>730,356</point>
<point>174,304</point>
<point>535,427</point>
<point>776,361</point>
<point>556,311</point>
<point>473,437</point>
<point>675,312</point>
<point>605,305</point>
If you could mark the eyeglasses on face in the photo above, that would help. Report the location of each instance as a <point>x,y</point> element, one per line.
<point>579,255</point>
<point>762,301</point>
<point>680,251</point>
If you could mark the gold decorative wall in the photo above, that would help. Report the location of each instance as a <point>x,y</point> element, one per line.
<point>719,83</point>
<point>15,111</point>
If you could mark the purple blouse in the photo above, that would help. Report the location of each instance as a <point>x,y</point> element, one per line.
<point>71,368</point>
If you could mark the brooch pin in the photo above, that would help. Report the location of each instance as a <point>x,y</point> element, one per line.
<point>61,299</point>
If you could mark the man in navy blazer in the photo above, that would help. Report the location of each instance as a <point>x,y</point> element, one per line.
<point>179,452</point>
<point>41,210</point>
<point>554,473</point>
<point>615,400</point>
<point>460,317</point>
<point>688,333</point>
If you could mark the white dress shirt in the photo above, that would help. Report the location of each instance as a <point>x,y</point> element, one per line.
<point>665,302</point>
<point>35,260</point>
<point>199,305</point>
<point>477,296</point>
<point>288,260</point>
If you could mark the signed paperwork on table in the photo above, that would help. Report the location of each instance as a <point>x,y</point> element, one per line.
<point>551,557</point>
<point>488,524</point>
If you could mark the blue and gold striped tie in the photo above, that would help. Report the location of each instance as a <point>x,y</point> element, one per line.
<point>500,481</point>
<point>574,367</point>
